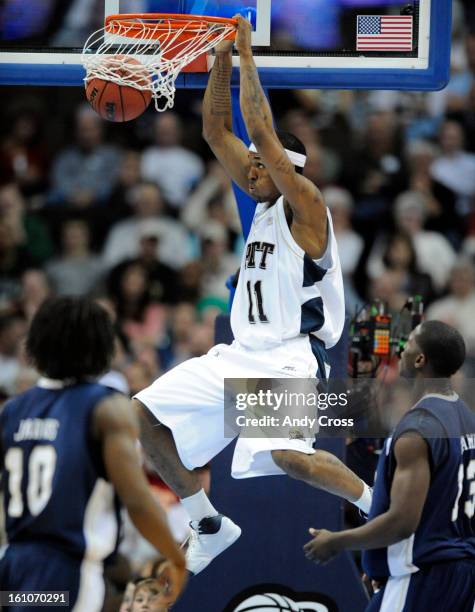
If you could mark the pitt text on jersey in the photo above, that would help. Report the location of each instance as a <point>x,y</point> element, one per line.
<point>266,248</point>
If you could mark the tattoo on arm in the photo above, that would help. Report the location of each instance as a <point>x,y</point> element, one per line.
<point>257,106</point>
<point>283,165</point>
<point>220,88</point>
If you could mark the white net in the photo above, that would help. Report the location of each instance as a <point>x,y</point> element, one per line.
<point>148,53</point>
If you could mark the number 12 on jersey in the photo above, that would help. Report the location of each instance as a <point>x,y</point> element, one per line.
<point>254,293</point>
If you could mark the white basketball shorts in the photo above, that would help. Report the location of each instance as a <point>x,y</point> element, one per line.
<point>189,400</point>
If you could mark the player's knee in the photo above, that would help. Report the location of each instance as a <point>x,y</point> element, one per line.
<point>291,462</point>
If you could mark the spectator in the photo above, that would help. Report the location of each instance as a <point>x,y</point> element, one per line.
<point>162,280</point>
<point>375,173</point>
<point>35,288</point>
<point>77,271</point>
<point>12,332</point>
<point>118,205</point>
<point>387,287</point>
<point>128,177</point>
<point>176,345</point>
<point>27,229</point>
<point>14,260</point>
<point>323,165</point>
<point>212,199</point>
<point>379,168</point>
<point>468,119</point>
<point>455,168</point>
<point>459,86</point>
<point>126,604</point>
<point>401,257</point>
<point>350,244</point>
<point>440,200</point>
<point>190,281</point>
<point>218,264</point>
<point>137,373</point>
<point>458,308</point>
<point>84,174</point>
<point>23,157</point>
<point>148,597</point>
<point>175,169</point>
<point>435,256</point>
<point>141,320</point>
<point>123,241</point>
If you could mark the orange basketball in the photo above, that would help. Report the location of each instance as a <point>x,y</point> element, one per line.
<point>120,102</point>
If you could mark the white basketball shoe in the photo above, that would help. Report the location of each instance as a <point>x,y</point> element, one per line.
<point>208,539</point>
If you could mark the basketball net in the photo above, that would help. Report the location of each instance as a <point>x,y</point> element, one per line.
<point>163,44</point>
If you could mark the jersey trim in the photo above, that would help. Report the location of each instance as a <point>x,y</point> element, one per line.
<point>400,557</point>
<point>312,272</point>
<point>312,317</point>
<point>52,384</point>
<point>91,587</point>
<point>100,526</point>
<point>453,397</point>
<point>320,353</point>
<point>292,244</point>
<point>395,594</point>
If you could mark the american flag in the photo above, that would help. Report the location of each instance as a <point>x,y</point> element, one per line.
<point>384,33</point>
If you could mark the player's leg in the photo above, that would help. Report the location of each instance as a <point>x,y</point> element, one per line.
<point>159,446</point>
<point>324,471</point>
<point>182,429</point>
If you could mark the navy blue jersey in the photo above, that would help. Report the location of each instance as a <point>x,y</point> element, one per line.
<point>446,531</point>
<point>55,486</point>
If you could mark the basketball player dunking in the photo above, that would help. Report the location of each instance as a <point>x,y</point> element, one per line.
<point>288,308</point>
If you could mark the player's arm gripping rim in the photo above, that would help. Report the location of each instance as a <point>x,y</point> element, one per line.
<point>408,495</point>
<point>230,151</point>
<point>116,426</point>
<point>309,212</point>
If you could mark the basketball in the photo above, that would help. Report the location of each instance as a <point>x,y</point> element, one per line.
<point>120,102</point>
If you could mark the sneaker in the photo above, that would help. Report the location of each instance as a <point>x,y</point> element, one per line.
<point>208,539</point>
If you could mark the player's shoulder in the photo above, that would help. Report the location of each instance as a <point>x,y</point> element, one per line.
<point>13,404</point>
<point>443,407</point>
<point>424,420</point>
<point>114,412</point>
<point>95,391</point>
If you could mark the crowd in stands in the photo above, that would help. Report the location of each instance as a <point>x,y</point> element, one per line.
<point>142,218</point>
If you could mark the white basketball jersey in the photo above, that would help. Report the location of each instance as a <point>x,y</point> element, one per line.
<point>282,293</point>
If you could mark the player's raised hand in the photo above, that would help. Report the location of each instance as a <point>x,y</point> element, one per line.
<point>225,46</point>
<point>171,578</point>
<point>322,548</point>
<point>244,32</point>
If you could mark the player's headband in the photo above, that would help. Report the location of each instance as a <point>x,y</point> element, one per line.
<point>296,158</point>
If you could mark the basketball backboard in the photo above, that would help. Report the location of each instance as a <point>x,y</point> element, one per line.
<point>371,44</point>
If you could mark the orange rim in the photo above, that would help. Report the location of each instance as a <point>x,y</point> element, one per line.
<point>189,24</point>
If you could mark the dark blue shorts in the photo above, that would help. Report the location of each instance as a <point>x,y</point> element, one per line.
<point>442,587</point>
<point>35,567</point>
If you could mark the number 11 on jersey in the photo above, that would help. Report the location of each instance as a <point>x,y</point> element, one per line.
<point>254,293</point>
